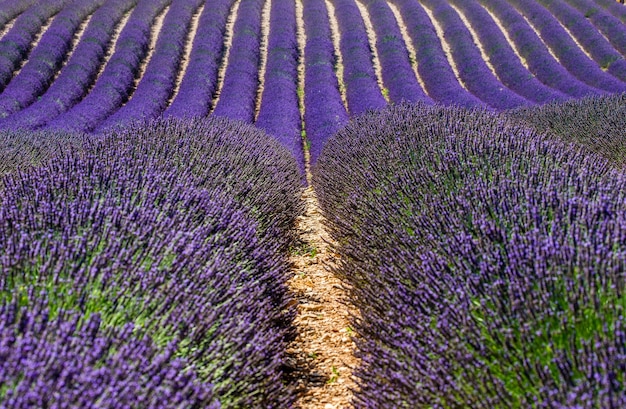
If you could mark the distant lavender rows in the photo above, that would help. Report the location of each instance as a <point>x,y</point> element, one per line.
<point>70,88</point>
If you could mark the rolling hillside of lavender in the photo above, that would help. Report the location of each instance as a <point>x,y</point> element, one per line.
<point>314,204</point>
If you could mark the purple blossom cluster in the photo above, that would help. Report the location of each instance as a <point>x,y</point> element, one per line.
<point>540,62</point>
<point>279,113</point>
<point>11,9</point>
<point>324,112</point>
<point>473,71</point>
<point>589,37</point>
<point>115,84</point>
<point>78,74</point>
<point>487,261</point>
<point>397,73</point>
<point>152,94</point>
<point>200,81</point>
<point>149,264</point>
<point>433,66</point>
<point>503,58</point>
<point>17,42</point>
<point>46,58</point>
<point>597,123</point>
<point>565,49</point>
<point>362,90</point>
<point>237,98</point>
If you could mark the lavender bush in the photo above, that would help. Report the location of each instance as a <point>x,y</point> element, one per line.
<point>487,261</point>
<point>78,74</point>
<point>434,68</point>
<point>597,123</point>
<point>169,251</point>
<point>241,79</point>
<point>540,62</point>
<point>115,83</point>
<point>397,73</point>
<point>200,80</point>
<point>324,112</point>
<point>279,113</point>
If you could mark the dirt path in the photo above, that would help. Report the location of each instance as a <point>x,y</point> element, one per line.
<point>323,350</point>
<point>155,30</point>
<point>265,34</point>
<point>336,39</point>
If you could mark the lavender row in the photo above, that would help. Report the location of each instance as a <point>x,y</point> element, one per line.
<point>612,26</point>
<point>279,113</point>
<point>540,62</point>
<point>46,58</point>
<point>473,71</point>
<point>16,43</point>
<point>324,112</point>
<point>397,73</point>
<point>597,123</point>
<point>200,80</point>
<point>565,49</point>
<point>11,9</point>
<point>433,66</point>
<point>487,261</point>
<point>159,246</point>
<point>115,83</point>
<point>590,39</point>
<point>503,58</point>
<point>78,74</point>
<point>615,9</point>
<point>238,94</point>
<point>362,90</point>
<point>156,85</point>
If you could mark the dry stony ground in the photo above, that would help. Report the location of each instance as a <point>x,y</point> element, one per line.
<point>323,353</point>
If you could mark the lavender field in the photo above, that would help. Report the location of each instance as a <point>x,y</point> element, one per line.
<point>468,157</point>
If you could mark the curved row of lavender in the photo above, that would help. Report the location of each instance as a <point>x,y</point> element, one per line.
<point>46,58</point>
<point>473,71</point>
<point>147,268</point>
<point>433,66</point>
<point>324,112</point>
<point>115,84</point>
<point>85,94</point>
<point>565,49</point>
<point>16,44</point>
<point>487,261</point>
<point>279,112</point>
<point>199,83</point>
<point>362,90</point>
<point>502,57</point>
<point>237,98</point>
<point>151,96</point>
<point>396,71</point>
<point>78,74</point>
<point>585,33</point>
